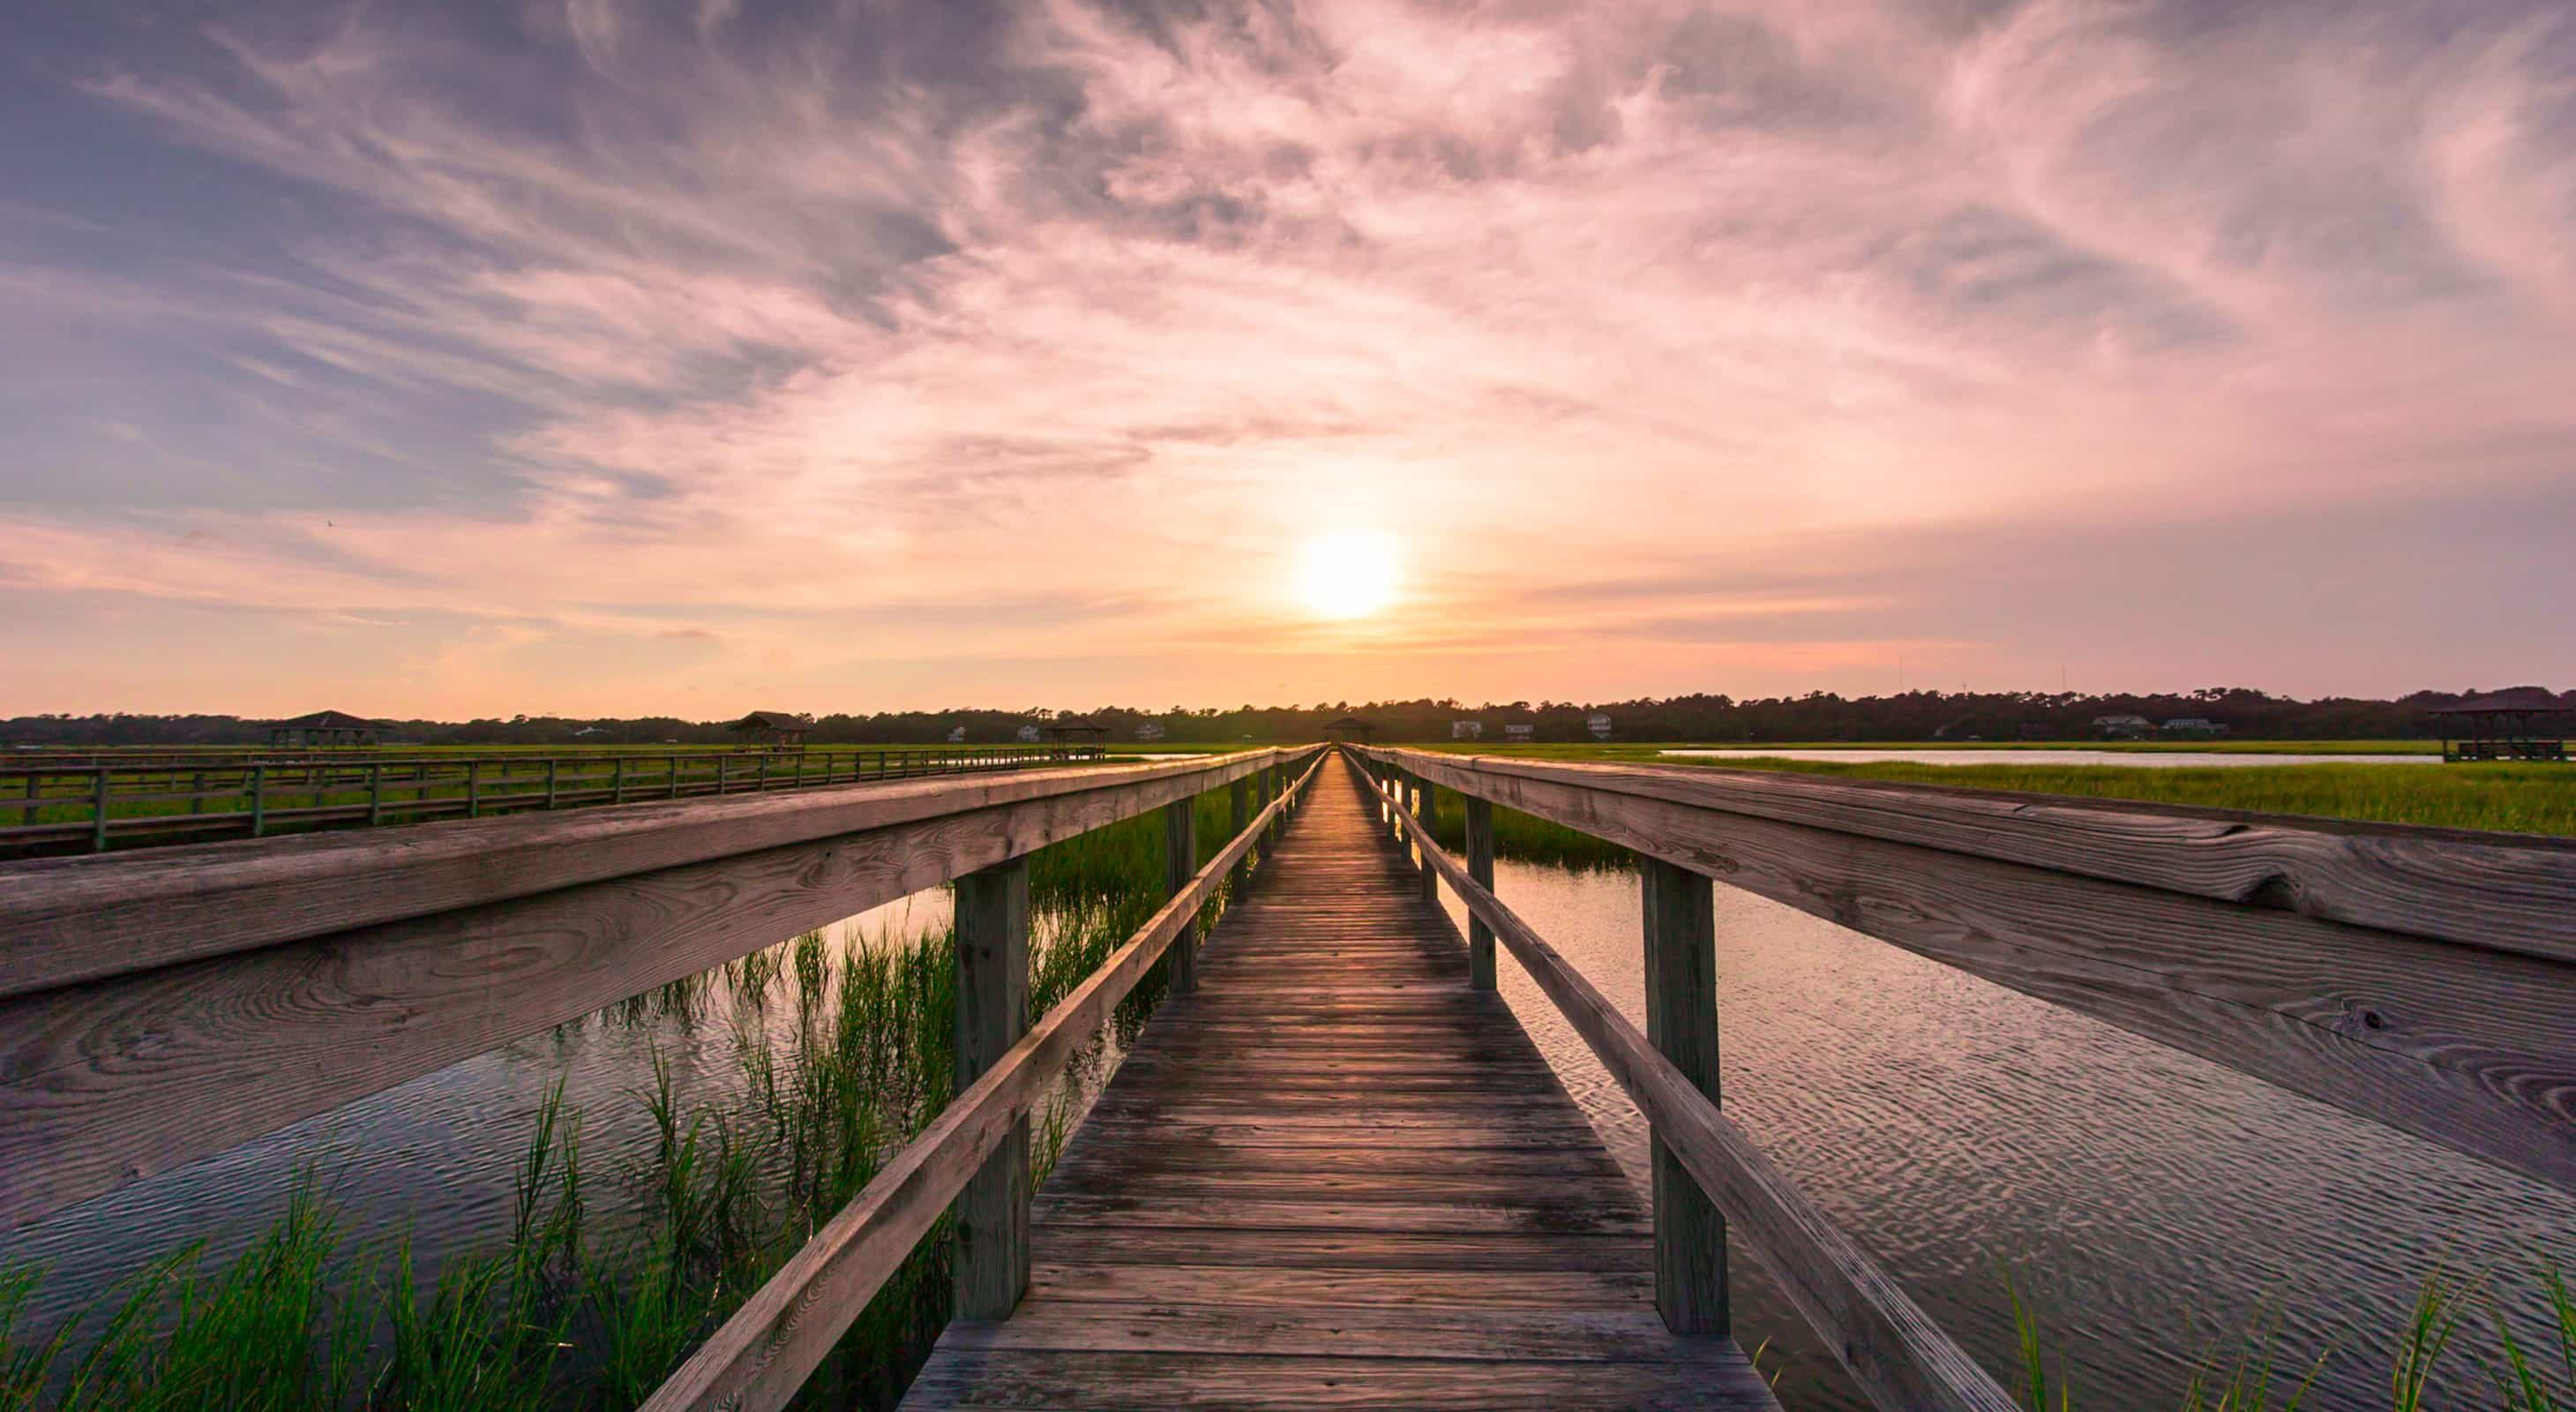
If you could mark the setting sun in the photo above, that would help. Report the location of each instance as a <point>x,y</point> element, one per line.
<point>1347,575</point>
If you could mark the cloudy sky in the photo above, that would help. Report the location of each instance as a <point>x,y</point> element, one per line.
<point>592,357</point>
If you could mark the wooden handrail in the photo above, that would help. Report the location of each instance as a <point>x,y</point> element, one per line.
<point>764,1353</point>
<point>171,1003</point>
<point>1893,1349</point>
<point>2422,978</point>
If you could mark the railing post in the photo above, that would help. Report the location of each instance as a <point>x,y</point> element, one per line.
<point>197,792</point>
<point>98,810</point>
<point>992,1013</point>
<point>258,800</point>
<point>674,782</point>
<point>375,795</point>
<point>1428,812</point>
<point>724,772</point>
<point>1480,866</point>
<point>27,811</point>
<point>1681,1022</point>
<point>617,780</point>
<point>550,782</point>
<point>1242,797</point>
<point>1180,860</point>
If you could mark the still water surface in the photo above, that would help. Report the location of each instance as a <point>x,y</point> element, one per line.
<point>2151,1203</point>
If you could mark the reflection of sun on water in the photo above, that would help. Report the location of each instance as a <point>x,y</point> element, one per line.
<point>1349,574</point>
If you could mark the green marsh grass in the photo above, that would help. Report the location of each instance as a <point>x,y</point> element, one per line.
<point>844,1055</point>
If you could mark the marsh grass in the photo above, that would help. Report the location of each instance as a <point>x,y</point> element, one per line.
<point>844,1054</point>
<point>2255,1377</point>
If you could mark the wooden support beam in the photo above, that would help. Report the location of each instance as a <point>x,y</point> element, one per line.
<point>1480,866</point>
<point>1180,860</point>
<point>1681,1023</point>
<point>992,1013</point>
<point>1240,795</point>
<point>1427,808</point>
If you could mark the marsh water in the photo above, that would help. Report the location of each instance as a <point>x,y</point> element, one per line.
<point>2150,1204</point>
<point>2147,1203</point>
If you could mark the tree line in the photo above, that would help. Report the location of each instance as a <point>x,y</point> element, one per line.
<point>1715,719</point>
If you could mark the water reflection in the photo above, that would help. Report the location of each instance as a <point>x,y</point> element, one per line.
<point>2151,1202</point>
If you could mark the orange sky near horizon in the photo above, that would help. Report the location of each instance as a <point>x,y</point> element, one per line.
<point>587,362</point>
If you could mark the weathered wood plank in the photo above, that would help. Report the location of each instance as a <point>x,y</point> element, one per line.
<point>65,920</point>
<point>1891,1348</point>
<point>1681,1023</point>
<point>992,1212</point>
<point>1335,1154</point>
<point>2510,892</point>
<point>762,1354</point>
<point>2472,1047</point>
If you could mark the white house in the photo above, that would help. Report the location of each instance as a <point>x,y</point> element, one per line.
<point>2123,725</point>
<point>1598,724</point>
<point>2194,725</point>
<point>1466,730</point>
<point>1029,733</point>
<point>1520,730</point>
<point>1151,730</point>
<point>957,736</point>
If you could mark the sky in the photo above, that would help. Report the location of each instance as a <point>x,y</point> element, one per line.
<point>592,358</point>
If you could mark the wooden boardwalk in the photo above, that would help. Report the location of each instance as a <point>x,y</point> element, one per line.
<point>1335,1176</point>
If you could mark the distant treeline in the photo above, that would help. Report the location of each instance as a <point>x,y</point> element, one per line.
<point>1818,716</point>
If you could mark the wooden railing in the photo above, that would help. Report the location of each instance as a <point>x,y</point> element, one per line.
<point>166,1004</point>
<point>2422,978</point>
<point>108,801</point>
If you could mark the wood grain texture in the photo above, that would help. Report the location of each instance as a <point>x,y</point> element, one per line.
<point>764,1353</point>
<point>2473,1047</point>
<point>1894,1351</point>
<point>992,930</point>
<point>2507,892</point>
<point>65,920</point>
<point>1681,1023</point>
<point>109,1081</point>
<point>1336,1175</point>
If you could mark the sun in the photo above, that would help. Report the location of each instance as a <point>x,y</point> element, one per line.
<point>1347,574</point>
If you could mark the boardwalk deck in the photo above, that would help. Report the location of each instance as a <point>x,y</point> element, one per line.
<point>1336,1176</point>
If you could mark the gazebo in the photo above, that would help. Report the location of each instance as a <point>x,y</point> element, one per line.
<point>1350,728</point>
<point>324,728</point>
<point>772,728</point>
<point>2523,724</point>
<point>1082,733</point>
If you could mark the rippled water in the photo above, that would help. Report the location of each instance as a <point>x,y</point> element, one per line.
<point>2149,1202</point>
<point>434,1155</point>
<point>2136,759</point>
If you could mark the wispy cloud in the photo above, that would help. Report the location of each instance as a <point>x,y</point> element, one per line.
<point>873,332</point>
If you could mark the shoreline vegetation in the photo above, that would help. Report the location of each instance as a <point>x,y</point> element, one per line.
<point>575,1310</point>
<point>2510,798</point>
<point>847,1055</point>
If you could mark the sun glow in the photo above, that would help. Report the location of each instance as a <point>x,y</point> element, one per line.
<point>1347,575</point>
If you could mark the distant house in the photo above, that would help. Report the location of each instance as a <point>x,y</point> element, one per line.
<point>772,728</point>
<point>1151,730</point>
<point>1598,724</point>
<point>1029,733</point>
<point>957,735</point>
<point>325,728</point>
<point>592,733</point>
<point>2122,727</point>
<point>2194,725</point>
<point>1466,730</point>
<point>1520,730</point>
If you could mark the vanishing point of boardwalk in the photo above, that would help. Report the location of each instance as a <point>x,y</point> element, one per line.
<point>1336,1175</point>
